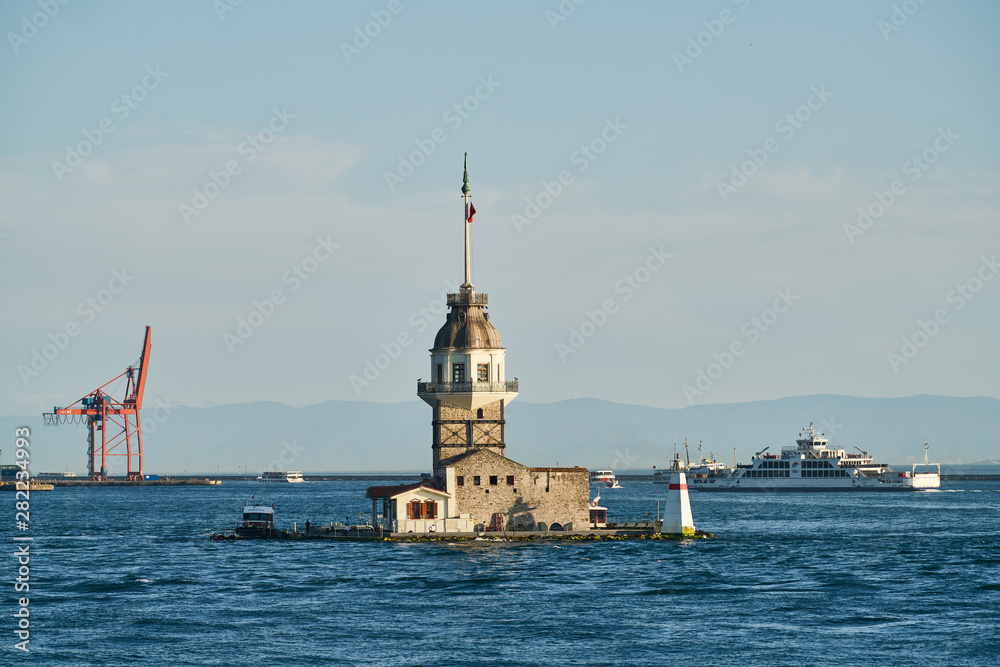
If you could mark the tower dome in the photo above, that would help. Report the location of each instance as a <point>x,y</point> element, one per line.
<point>468,325</point>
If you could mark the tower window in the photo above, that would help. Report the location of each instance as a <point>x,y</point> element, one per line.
<point>460,481</point>
<point>510,480</point>
<point>479,413</point>
<point>483,372</point>
<point>475,480</point>
<point>440,373</point>
<point>493,480</point>
<point>458,372</point>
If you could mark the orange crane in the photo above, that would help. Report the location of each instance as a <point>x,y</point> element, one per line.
<point>110,422</point>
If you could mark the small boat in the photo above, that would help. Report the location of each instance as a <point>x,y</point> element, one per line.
<point>257,522</point>
<point>257,519</point>
<point>281,476</point>
<point>605,478</point>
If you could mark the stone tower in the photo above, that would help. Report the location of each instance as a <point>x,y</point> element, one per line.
<point>468,389</point>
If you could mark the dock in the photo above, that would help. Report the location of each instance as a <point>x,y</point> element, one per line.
<point>337,533</point>
<point>179,481</point>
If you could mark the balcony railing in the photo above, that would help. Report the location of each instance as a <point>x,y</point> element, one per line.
<point>468,298</point>
<point>509,386</point>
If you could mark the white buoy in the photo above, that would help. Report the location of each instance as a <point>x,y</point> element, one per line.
<point>677,513</point>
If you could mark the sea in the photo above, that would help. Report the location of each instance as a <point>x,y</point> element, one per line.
<point>122,576</point>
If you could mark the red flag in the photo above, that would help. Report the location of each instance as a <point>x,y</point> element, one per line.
<point>472,212</point>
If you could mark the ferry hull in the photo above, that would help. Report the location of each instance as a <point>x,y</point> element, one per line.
<point>882,488</point>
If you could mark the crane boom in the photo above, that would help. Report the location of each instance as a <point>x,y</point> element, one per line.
<point>101,412</point>
<point>140,382</point>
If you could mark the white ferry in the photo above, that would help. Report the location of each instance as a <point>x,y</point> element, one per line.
<point>281,476</point>
<point>605,478</point>
<point>812,466</point>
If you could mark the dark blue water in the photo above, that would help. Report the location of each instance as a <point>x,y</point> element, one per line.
<point>125,576</point>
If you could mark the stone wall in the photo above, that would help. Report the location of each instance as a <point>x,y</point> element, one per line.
<point>537,498</point>
<point>457,430</point>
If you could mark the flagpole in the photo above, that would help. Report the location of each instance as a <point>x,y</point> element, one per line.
<point>465,191</point>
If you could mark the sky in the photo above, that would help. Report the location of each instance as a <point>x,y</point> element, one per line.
<point>677,203</point>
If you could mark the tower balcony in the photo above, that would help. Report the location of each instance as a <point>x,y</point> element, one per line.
<point>468,298</point>
<point>468,395</point>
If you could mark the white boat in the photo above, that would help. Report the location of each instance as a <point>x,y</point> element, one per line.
<point>605,478</point>
<point>705,468</point>
<point>258,520</point>
<point>258,516</point>
<point>281,476</point>
<point>812,466</point>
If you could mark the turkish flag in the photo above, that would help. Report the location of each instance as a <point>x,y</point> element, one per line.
<point>472,212</point>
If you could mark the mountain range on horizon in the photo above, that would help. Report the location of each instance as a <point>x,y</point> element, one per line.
<point>345,436</point>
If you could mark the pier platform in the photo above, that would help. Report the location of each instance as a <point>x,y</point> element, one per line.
<point>187,481</point>
<point>369,534</point>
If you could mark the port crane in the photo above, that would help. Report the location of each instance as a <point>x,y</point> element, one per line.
<point>110,422</point>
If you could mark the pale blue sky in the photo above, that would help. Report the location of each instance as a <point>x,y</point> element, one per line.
<point>656,184</point>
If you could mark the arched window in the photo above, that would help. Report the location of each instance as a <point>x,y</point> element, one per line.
<point>479,413</point>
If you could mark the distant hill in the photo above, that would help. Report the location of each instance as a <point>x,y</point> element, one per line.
<point>341,436</point>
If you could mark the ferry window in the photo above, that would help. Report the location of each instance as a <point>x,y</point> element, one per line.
<point>483,372</point>
<point>475,480</point>
<point>460,480</point>
<point>510,480</point>
<point>458,372</point>
<point>493,480</point>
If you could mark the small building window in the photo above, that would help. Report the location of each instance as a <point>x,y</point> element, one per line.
<point>483,372</point>
<point>475,480</point>
<point>460,480</point>
<point>510,480</point>
<point>414,510</point>
<point>458,372</point>
<point>493,480</point>
<point>430,509</point>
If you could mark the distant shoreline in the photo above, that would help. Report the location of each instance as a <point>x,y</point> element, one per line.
<point>193,480</point>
